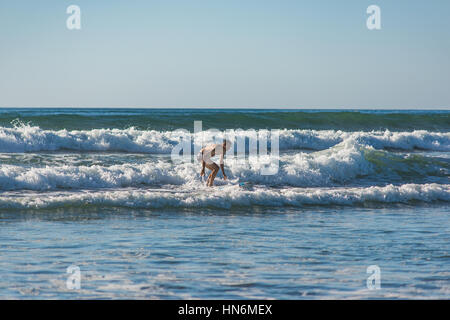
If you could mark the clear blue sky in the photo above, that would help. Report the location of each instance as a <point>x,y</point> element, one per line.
<point>208,53</point>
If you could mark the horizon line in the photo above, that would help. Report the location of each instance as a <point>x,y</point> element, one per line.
<point>234,108</point>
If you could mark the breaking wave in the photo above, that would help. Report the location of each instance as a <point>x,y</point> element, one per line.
<point>26,138</point>
<point>232,197</point>
<point>347,163</point>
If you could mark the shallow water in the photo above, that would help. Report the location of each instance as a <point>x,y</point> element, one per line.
<point>282,253</point>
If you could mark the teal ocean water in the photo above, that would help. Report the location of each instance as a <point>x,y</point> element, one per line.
<point>98,189</point>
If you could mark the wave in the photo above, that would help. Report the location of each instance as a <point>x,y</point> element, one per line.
<point>26,138</point>
<point>345,163</point>
<point>232,197</point>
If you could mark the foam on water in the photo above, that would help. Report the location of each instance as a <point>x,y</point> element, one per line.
<point>341,164</point>
<point>231,196</point>
<point>26,138</point>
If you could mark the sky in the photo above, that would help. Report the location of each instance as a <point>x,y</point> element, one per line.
<point>225,54</point>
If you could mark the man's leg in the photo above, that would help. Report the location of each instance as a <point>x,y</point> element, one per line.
<point>214,170</point>
<point>210,167</point>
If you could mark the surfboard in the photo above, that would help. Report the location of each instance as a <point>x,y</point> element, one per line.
<point>246,185</point>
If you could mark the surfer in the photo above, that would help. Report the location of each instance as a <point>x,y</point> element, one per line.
<point>205,155</point>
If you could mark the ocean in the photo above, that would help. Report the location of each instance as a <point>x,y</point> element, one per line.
<point>94,206</point>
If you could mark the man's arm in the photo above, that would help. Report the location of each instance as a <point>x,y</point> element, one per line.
<point>203,168</point>
<point>222,167</point>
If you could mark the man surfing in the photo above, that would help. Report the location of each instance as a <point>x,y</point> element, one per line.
<point>205,155</point>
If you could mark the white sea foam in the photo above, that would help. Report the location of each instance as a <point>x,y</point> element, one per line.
<point>339,164</point>
<point>231,196</point>
<point>26,138</point>
<point>343,163</point>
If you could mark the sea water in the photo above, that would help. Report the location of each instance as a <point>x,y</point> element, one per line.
<point>97,189</point>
